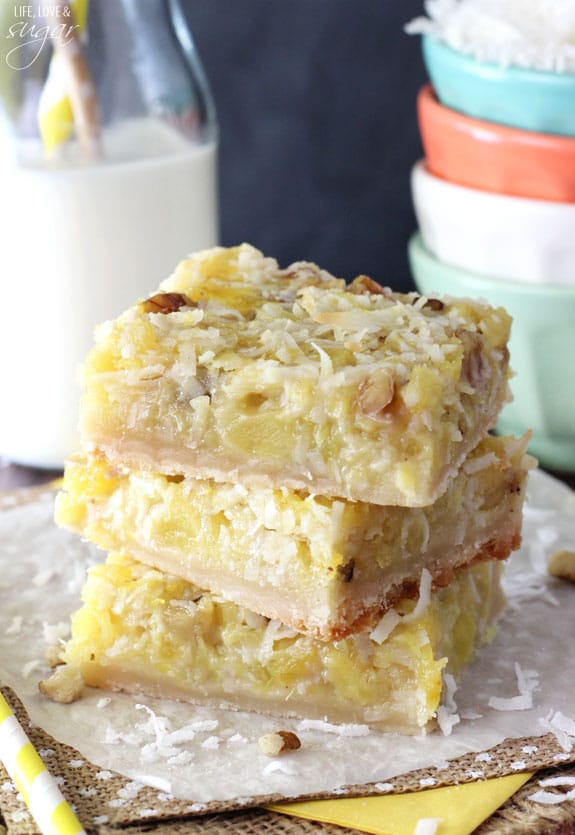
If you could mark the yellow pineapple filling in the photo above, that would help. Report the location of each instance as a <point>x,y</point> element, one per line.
<point>318,564</point>
<point>146,631</point>
<point>290,377</point>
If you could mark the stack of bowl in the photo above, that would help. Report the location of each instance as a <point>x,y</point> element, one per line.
<point>495,203</point>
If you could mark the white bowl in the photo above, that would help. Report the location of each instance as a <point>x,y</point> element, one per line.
<point>515,238</point>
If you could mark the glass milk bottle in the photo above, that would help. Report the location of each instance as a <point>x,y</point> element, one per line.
<point>108,144</point>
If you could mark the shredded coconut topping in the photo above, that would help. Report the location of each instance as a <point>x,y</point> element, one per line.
<point>539,34</point>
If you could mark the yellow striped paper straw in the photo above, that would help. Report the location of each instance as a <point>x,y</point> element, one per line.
<point>36,785</point>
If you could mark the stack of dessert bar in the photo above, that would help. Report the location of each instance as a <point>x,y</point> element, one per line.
<point>305,513</point>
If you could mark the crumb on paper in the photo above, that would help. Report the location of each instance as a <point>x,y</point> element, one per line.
<point>279,742</point>
<point>562,565</point>
<point>64,686</point>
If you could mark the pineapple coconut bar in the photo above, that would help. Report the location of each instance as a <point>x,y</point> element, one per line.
<point>305,513</point>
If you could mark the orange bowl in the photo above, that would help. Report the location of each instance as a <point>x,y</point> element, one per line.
<point>491,157</point>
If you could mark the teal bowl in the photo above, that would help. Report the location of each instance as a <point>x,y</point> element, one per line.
<point>542,351</point>
<point>522,98</point>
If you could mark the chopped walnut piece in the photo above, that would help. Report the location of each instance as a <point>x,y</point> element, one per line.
<point>346,571</point>
<point>562,564</point>
<point>279,742</point>
<point>365,284</point>
<point>475,367</point>
<point>64,685</point>
<point>434,304</point>
<point>165,303</point>
<point>376,393</point>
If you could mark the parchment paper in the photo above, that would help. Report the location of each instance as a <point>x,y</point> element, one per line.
<point>205,755</point>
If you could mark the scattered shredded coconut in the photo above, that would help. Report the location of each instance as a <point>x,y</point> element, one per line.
<point>447,716</point>
<point>475,774</point>
<point>527,682</point>
<point>483,757</point>
<point>519,765</point>
<point>529,749</point>
<point>15,626</point>
<point>280,766</point>
<point>31,667</point>
<point>76,763</point>
<point>562,727</point>
<point>46,752</point>
<point>341,730</point>
<point>383,787</point>
<point>104,775</point>
<point>237,737</point>
<point>98,820</point>
<point>471,715</point>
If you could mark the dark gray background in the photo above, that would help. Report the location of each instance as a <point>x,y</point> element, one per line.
<point>316,106</point>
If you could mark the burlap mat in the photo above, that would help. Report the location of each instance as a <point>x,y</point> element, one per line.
<point>107,802</point>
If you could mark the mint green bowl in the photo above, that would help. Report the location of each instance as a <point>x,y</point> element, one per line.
<point>533,100</point>
<point>542,351</point>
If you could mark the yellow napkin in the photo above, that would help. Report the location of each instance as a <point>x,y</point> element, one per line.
<point>459,809</point>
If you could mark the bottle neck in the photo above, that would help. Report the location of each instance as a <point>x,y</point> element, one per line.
<point>145,71</point>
